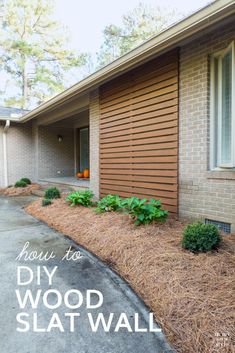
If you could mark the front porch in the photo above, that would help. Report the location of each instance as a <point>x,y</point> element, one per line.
<point>73,182</point>
<point>66,141</point>
<point>63,151</point>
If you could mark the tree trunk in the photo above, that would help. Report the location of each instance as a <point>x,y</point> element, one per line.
<point>25,88</point>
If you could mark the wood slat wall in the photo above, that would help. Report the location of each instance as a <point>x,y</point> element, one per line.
<point>139,132</point>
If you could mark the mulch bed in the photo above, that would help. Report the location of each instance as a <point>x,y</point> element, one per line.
<point>12,191</point>
<point>192,296</point>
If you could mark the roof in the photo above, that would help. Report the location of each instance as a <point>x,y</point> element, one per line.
<point>213,13</point>
<point>10,112</point>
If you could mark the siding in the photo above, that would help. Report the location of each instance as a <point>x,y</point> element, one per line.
<point>139,132</point>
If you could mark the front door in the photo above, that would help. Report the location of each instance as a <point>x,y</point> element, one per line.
<point>83,148</point>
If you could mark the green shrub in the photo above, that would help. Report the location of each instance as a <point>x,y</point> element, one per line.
<point>199,237</point>
<point>109,203</point>
<point>83,198</point>
<point>20,184</point>
<point>26,180</point>
<point>52,193</point>
<point>46,202</point>
<point>144,211</point>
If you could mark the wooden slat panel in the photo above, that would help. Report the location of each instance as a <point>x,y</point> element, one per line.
<point>141,74</point>
<point>158,86</point>
<point>113,121</point>
<point>135,130</point>
<point>142,122</point>
<point>141,135</point>
<point>147,185</point>
<point>163,94</point>
<point>139,132</point>
<point>150,192</point>
<point>160,102</point>
<point>140,142</point>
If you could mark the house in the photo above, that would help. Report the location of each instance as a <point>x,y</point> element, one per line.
<point>157,122</point>
<point>9,112</point>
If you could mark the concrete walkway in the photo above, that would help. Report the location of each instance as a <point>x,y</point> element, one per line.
<point>17,228</point>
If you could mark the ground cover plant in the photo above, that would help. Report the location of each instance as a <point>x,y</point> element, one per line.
<point>191,295</point>
<point>83,198</point>
<point>26,180</point>
<point>52,193</point>
<point>109,203</point>
<point>20,184</point>
<point>144,211</point>
<point>46,202</point>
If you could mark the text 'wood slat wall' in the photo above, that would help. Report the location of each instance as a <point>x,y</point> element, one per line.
<point>139,132</point>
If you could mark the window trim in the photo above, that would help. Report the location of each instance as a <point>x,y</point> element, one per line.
<point>215,151</point>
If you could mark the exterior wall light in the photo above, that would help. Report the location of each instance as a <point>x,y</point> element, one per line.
<point>60,138</point>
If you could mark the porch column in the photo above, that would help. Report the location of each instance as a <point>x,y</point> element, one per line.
<point>94,142</point>
<point>35,143</point>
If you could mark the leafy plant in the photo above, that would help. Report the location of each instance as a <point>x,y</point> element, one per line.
<point>26,180</point>
<point>83,198</point>
<point>109,203</point>
<point>144,212</point>
<point>199,237</point>
<point>46,202</point>
<point>52,193</point>
<point>20,184</point>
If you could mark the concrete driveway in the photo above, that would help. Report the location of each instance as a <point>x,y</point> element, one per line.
<point>17,228</point>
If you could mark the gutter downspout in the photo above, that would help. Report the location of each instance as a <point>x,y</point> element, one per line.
<point>5,164</point>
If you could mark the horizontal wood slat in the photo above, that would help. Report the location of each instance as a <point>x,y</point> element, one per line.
<point>142,148</point>
<point>139,132</point>
<point>141,172</point>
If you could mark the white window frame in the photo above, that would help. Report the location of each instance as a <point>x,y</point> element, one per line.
<point>215,155</point>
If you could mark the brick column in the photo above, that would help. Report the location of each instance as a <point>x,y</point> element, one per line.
<point>94,142</point>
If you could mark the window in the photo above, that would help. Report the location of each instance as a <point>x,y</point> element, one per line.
<point>223,108</point>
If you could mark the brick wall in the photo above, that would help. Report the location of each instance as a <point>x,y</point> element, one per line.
<point>20,153</point>
<point>202,194</point>
<point>94,142</point>
<point>55,158</point>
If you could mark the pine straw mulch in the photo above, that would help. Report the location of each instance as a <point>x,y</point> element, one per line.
<point>192,296</point>
<point>26,191</point>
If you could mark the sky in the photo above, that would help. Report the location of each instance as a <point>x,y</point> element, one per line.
<point>86,19</point>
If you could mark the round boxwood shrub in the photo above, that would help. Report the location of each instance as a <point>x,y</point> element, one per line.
<point>26,180</point>
<point>199,237</point>
<point>52,193</point>
<point>20,184</point>
<point>46,202</point>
